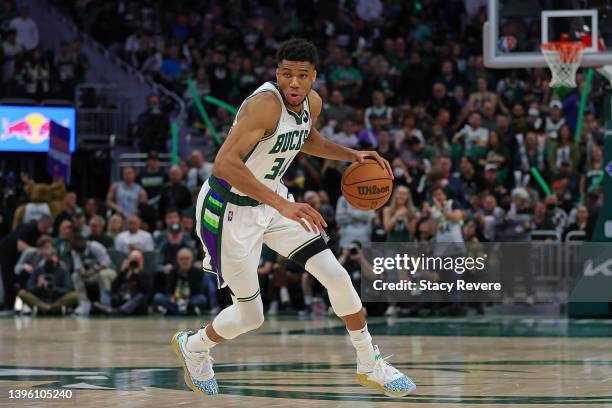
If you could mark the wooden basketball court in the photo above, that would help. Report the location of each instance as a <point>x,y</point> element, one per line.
<point>471,362</point>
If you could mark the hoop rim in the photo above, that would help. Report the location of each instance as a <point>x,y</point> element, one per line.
<point>559,45</point>
<point>569,51</point>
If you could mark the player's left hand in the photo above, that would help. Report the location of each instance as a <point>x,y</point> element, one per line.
<point>360,156</point>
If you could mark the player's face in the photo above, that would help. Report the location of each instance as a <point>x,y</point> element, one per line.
<point>295,80</point>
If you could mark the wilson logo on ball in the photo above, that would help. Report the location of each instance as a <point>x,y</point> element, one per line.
<point>368,190</point>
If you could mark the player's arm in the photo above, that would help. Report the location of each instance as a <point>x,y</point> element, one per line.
<point>318,145</point>
<point>258,116</point>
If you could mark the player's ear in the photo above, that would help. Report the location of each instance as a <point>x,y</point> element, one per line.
<point>314,75</point>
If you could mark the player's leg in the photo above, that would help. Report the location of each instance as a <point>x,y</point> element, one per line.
<point>232,241</point>
<point>289,239</point>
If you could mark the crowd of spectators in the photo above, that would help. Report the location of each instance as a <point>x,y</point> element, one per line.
<point>28,70</point>
<point>403,78</point>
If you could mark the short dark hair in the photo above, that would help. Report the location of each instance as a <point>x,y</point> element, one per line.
<point>297,49</point>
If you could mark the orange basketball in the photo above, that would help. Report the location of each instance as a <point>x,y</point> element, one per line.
<point>366,186</point>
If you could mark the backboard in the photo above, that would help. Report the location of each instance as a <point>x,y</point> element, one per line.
<point>515,29</point>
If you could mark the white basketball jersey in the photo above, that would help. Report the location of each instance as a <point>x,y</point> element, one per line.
<point>272,155</point>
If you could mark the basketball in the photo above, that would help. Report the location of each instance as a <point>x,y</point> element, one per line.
<point>367,185</point>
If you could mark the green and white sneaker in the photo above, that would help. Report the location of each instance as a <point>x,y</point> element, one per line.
<point>383,377</point>
<point>199,374</point>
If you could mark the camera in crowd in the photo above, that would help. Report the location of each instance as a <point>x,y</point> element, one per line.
<point>355,248</point>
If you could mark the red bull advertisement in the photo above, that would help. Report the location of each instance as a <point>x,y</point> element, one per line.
<point>27,128</point>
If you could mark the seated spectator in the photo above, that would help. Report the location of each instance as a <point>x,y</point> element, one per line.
<point>347,137</point>
<point>116,225</point>
<point>70,204</point>
<point>346,77</point>
<point>91,208</point>
<point>399,218</point>
<point>518,222</point>
<point>134,238</point>
<point>555,119</point>
<point>447,214</point>
<point>184,289</point>
<point>490,216</point>
<point>49,286</point>
<point>175,193</point>
<point>79,223</point>
<point>200,170</point>
<point>170,245</point>
<point>336,112</point>
<point>542,218</point>
<point>171,217</point>
<point>472,181</point>
<point>188,228</point>
<point>97,227</point>
<point>581,223</point>
<point>557,215</point>
<point>125,196</point>
<point>152,177</point>
<point>378,110</point>
<point>129,289</point>
<point>409,130</point>
<point>11,246</point>
<point>385,146</point>
<point>353,224</point>
<point>368,138</point>
<point>31,258</point>
<point>90,265</point>
<point>62,242</point>
<point>473,138</point>
<point>563,150</point>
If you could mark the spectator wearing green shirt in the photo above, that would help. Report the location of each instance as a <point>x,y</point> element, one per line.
<point>346,77</point>
<point>97,226</point>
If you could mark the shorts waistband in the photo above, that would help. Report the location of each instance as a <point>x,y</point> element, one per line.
<point>230,197</point>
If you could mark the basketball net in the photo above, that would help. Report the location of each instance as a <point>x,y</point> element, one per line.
<point>563,58</point>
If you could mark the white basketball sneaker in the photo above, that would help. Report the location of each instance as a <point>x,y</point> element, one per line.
<point>199,374</point>
<point>383,377</point>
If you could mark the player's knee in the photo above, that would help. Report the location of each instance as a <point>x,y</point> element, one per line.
<point>251,314</point>
<point>253,320</point>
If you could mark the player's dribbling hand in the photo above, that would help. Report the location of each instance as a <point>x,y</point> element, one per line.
<point>360,156</point>
<point>308,217</point>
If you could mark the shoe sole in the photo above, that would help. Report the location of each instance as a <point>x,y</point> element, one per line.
<point>362,379</point>
<point>177,350</point>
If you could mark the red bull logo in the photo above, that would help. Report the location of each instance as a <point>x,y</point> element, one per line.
<point>33,128</point>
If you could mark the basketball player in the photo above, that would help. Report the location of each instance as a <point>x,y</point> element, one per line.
<point>244,205</point>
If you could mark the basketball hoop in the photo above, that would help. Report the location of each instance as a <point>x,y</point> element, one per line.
<point>563,58</point>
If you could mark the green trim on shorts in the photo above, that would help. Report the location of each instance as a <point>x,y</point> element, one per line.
<point>302,246</point>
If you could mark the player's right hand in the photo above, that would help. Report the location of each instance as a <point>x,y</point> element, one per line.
<point>305,215</point>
